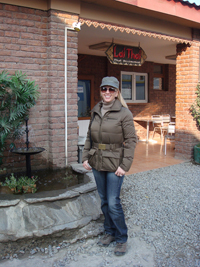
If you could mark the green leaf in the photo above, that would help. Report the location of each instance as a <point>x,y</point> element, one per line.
<point>17,95</point>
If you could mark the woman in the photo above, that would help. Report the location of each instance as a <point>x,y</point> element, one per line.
<point>109,150</point>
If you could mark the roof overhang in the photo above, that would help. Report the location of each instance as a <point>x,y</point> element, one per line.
<point>174,11</point>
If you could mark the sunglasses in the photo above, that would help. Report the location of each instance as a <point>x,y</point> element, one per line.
<point>110,89</point>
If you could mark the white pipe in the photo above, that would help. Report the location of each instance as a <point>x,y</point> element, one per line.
<point>66,29</point>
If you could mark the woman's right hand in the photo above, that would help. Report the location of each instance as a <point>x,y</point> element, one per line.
<point>86,165</point>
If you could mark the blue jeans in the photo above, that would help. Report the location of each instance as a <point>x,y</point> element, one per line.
<point>109,186</point>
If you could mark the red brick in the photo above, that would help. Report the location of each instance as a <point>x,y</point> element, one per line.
<point>11,8</point>
<point>185,98</point>
<point>27,10</point>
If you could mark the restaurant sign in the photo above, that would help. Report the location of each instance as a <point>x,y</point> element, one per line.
<point>125,55</point>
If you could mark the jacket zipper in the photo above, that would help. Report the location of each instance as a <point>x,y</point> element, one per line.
<point>99,150</point>
<point>100,142</point>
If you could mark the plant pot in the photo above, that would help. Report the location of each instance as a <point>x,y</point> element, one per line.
<point>34,188</point>
<point>17,191</point>
<point>197,153</point>
<point>29,189</point>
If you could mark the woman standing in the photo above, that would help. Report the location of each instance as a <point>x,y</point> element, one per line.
<point>109,150</point>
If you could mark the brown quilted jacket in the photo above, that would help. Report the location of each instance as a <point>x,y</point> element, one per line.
<point>112,137</point>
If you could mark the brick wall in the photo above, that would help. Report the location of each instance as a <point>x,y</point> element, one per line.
<point>33,41</point>
<point>187,133</point>
<point>56,56</point>
<point>23,46</point>
<point>160,102</point>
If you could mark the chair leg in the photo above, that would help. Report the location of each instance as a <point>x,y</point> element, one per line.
<point>153,133</point>
<point>165,145</point>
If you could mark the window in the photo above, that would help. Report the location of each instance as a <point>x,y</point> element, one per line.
<point>84,106</point>
<point>134,87</point>
<point>160,81</point>
<point>85,96</point>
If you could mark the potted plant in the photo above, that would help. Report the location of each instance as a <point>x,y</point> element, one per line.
<point>197,153</point>
<point>195,110</point>
<point>24,183</point>
<point>11,183</point>
<point>29,184</point>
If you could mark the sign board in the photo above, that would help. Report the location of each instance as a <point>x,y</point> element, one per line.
<point>125,55</point>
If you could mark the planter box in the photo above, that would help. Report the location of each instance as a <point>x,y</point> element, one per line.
<point>197,153</point>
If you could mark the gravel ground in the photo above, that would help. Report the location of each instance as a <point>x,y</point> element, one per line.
<point>166,201</point>
<point>162,212</point>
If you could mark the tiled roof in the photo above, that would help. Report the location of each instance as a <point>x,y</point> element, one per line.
<point>189,3</point>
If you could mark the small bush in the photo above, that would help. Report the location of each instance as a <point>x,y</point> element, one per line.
<point>17,96</point>
<point>195,108</point>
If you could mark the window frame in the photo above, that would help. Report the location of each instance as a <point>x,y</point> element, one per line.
<point>91,78</point>
<point>133,100</point>
<point>162,77</point>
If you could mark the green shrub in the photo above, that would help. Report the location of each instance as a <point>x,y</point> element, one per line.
<point>22,183</point>
<point>195,108</point>
<point>11,182</point>
<point>17,96</point>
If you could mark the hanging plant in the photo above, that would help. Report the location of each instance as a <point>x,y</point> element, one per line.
<point>17,96</point>
<point>195,108</point>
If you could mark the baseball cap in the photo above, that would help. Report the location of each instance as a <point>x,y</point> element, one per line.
<point>111,81</point>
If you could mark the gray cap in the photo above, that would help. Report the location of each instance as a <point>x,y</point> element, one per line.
<point>111,81</point>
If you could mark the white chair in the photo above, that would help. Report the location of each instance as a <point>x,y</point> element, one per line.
<point>157,124</point>
<point>166,120</point>
<point>170,134</point>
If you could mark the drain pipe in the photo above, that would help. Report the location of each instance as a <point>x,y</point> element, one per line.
<point>76,26</point>
<point>66,29</point>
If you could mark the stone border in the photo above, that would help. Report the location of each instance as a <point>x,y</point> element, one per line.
<point>38,216</point>
<point>12,200</point>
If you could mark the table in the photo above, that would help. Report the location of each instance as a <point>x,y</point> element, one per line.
<point>147,120</point>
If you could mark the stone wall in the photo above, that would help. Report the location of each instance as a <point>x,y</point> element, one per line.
<point>49,212</point>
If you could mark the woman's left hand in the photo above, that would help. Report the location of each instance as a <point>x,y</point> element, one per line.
<point>119,172</point>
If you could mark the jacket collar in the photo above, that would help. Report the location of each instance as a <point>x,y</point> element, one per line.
<point>115,107</point>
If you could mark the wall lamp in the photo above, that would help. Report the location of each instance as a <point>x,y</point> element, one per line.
<point>77,26</point>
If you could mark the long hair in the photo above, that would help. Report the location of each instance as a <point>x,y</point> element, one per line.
<point>121,99</point>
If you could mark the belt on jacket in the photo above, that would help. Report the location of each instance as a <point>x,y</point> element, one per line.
<point>106,146</point>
